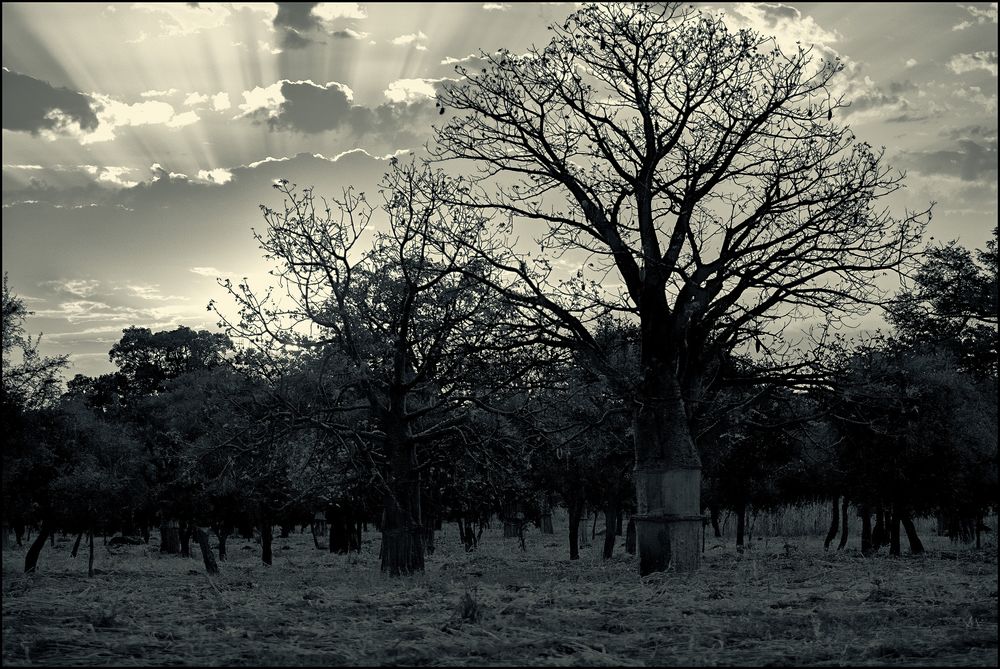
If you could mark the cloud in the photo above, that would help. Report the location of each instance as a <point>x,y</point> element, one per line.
<point>299,24</point>
<point>786,24</point>
<point>194,99</point>
<point>217,176</point>
<point>220,101</point>
<point>302,106</point>
<point>970,62</point>
<point>32,105</point>
<point>496,7</point>
<point>176,19</point>
<point>975,96</point>
<point>210,272</point>
<point>970,160</point>
<point>158,94</point>
<point>979,16</point>
<point>410,90</point>
<point>113,114</point>
<point>409,39</point>
<point>910,62</point>
<point>74,287</point>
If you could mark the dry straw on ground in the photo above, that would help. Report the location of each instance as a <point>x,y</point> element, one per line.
<point>785,602</point>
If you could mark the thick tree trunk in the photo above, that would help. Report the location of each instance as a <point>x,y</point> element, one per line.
<point>90,560</point>
<point>170,537</point>
<point>76,545</point>
<point>714,510</point>
<point>402,531</point>
<point>619,522</point>
<point>667,474</point>
<point>630,539</point>
<point>834,524</point>
<point>547,523</point>
<point>866,530</point>
<point>201,536</point>
<point>843,527</point>
<point>916,546</point>
<point>265,542</point>
<point>286,531</point>
<point>5,536</point>
<point>31,558</point>
<point>880,533</point>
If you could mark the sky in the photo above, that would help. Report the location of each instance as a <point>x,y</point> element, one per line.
<point>140,139</point>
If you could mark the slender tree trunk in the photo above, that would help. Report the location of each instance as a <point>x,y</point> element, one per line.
<point>90,560</point>
<point>402,532</point>
<point>834,524</point>
<point>844,525</point>
<point>5,536</point>
<point>265,542</point>
<point>741,523</point>
<point>619,522</point>
<point>880,533</point>
<point>866,530</point>
<point>76,545</point>
<point>201,536</point>
<point>668,469</point>
<point>222,532</point>
<point>630,536</point>
<point>894,532</point>
<point>610,522</point>
<point>31,558</point>
<point>575,516</point>
<point>185,537</point>
<point>19,534</point>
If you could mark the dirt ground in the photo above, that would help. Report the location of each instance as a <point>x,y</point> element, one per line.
<point>785,602</point>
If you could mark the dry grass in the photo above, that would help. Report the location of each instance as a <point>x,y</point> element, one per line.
<point>786,602</point>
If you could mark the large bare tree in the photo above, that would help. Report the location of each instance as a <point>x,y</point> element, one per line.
<point>701,181</point>
<point>365,285</point>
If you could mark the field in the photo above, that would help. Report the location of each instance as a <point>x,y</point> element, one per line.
<point>785,602</point>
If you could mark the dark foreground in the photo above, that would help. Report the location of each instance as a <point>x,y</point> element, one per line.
<point>781,604</point>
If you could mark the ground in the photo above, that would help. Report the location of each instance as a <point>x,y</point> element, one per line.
<point>785,602</point>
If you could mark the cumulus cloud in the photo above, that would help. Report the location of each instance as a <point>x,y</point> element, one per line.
<point>219,176</point>
<point>970,62</point>
<point>496,6</point>
<point>113,114</point>
<point>32,105</point>
<point>411,90</point>
<point>411,38</point>
<point>787,24</point>
<point>299,24</point>
<point>220,101</point>
<point>979,16</point>
<point>158,94</point>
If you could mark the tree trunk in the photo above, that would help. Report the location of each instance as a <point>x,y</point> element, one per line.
<point>31,558</point>
<point>222,531</point>
<point>402,532</point>
<point>714,510</point>
<point>843,520</point>
<point>619,522</point>
<point>916,546</point>
<point>880,533</point>
<point>610,523</point>
<point>834,524</point>
<point>866,530</point>
<point>667,471</point>
<point>19,534</point>
<point>265,542</point>
<point>893,522</point>
<point>630,537</point>
<point>575,517</point>
<point>547,523</point>
<point>741,523</point>
<point>201,536</point>
<point>5,536</point>
<point>90,560</point>
<point>185,537</point>
<point>170,537</point>
<point>76,545</point>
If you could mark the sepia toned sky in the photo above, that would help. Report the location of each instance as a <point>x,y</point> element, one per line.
<point>139,139</point>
